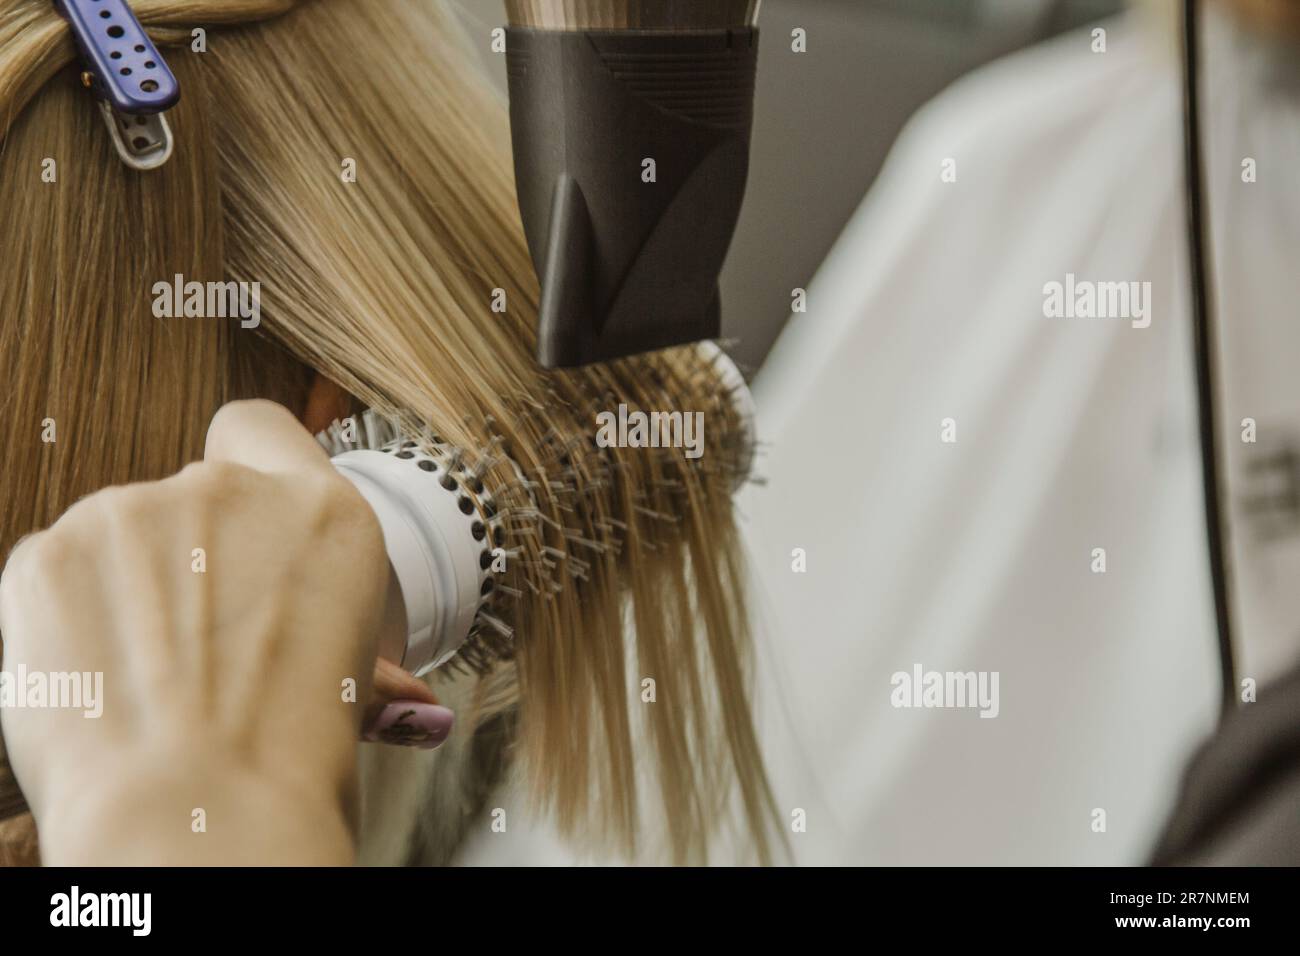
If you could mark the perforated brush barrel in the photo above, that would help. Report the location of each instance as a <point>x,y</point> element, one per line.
<point>631,153</point>
<point>438,527</point>
<point>449,520</point>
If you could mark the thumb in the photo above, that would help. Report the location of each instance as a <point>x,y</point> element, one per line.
<point>265,436</point>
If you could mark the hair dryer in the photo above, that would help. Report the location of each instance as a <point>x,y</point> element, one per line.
<point>631,123</point>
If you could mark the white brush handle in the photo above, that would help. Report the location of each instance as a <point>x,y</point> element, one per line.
<point>431,545</point>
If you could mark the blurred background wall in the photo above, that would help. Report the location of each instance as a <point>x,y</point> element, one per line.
<point>826,119</point>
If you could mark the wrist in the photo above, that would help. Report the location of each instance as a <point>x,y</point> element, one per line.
<point>177,813</point>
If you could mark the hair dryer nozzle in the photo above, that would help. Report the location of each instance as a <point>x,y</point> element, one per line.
<point>631,155</point>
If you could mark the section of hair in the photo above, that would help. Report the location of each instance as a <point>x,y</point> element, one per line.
<point>386,285</point>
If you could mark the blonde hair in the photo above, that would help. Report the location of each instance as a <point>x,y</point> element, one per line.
<point>385,286</point>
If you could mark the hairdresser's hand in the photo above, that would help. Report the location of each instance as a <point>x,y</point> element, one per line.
<point>234,612</point>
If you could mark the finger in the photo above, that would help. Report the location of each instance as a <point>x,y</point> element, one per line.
<point>13,552</point>
<point>411,723</point>
<point>393,683</point>
<point>403,710</point>
<point>265,436</point>
<point>12,563</point>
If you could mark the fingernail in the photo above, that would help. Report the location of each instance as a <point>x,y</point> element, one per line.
<point>410,723</point>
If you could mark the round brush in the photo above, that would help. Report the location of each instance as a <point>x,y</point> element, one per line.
<point>449,535</point>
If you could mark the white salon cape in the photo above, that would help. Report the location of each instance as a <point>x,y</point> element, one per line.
<point>1075,438</point>
<point>1075,442</point>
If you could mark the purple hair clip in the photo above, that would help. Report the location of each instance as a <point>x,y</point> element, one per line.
<point>130,80</point>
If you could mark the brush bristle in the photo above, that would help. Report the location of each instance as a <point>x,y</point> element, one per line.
<point>553,523</point>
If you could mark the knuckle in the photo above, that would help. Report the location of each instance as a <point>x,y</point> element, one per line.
<point>121,506</point>
<point>234,418</point>
<point>37,557</point>
<point>370,536</point>
<point>216,478</point>
<point>338,508</point>
<point>240,409</point>
<point>328,497</point>
<point>29,552</point>
<point>90,518</point>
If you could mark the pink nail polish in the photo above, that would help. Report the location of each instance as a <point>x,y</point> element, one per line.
<point>409,723</point>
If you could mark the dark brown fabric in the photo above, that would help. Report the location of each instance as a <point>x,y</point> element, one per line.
<point>1240,798</point>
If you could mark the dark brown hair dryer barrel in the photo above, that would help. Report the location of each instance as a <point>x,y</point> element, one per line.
<point>631,126</point>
